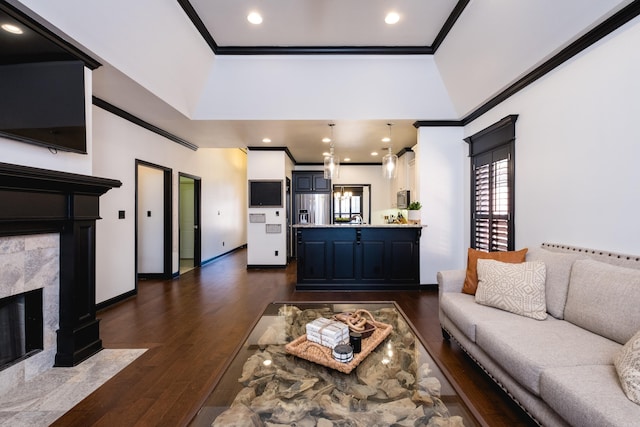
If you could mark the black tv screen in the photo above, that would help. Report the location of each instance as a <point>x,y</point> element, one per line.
<point>44,103</point>
<point>265,194</point>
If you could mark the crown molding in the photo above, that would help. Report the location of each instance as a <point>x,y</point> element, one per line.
<point>138,121</point>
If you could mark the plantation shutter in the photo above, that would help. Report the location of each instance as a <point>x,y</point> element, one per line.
<point>492,187</point>
<point>491,212</point>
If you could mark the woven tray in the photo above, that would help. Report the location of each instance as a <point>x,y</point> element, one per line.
<point>321,355</point>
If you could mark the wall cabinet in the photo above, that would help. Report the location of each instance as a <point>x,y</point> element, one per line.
<point>311,182</point>
<point>354,258</point>
<point>405,179</point>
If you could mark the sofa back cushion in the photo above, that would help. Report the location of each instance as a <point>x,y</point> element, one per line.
<point>604,299</point>
<point>558,273</point>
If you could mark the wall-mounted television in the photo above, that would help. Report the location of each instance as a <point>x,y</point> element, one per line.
<point>265,194</point>
<point>43,103</point>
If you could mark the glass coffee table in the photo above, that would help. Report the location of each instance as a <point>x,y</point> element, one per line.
<point>397,383</point>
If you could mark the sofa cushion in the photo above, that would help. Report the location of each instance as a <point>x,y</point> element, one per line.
<point>558,273</point>
<point>517,288</point>
<point>465,313</point>
<point>588,395</point>
<point>471,278</point>
<point>604,299</point>
<point>525,347</point>
<point>627,364</point>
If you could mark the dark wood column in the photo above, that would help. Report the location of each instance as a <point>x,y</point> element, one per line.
<point>40,201</point>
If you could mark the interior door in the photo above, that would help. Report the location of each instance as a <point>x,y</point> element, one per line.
<point>153,221</point>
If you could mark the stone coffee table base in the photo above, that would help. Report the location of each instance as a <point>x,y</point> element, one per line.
<point>397,384</point>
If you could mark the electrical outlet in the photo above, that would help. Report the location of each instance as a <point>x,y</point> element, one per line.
<point>276,253</point>
<point>222,243</point>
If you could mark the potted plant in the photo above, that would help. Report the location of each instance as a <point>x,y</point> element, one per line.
<point>414,212</point>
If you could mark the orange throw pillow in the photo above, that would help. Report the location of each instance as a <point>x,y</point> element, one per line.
<point>471,280</point>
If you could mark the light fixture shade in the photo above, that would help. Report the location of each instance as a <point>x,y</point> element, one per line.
<point>331,166</point>
<point>390,165</point>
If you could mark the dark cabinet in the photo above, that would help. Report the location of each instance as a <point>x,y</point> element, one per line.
<point>311,182</point>
<point>358,258</point>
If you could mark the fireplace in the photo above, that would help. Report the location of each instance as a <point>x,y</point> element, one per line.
<point>20,327</point>
<point>50,216</point>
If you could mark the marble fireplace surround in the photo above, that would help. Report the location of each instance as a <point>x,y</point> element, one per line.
<point>47,240</point>
<point>27,263</point>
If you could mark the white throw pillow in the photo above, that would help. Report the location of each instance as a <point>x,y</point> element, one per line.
<point>627,364</point>
<point>518,288</point>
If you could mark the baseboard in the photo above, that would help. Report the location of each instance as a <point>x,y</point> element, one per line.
<point>203,263</point>
<point>115,300</point>
<point>256,266</point>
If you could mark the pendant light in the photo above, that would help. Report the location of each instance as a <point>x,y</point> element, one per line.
<point>390,161</point>
<point>331,161</point>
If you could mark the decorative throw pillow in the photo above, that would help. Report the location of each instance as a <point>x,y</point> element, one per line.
<point>471,280</point>
<point>627,364</point>
<point>518,288</point>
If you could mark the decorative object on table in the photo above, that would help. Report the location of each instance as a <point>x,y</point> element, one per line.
<point>355,339</point>
<point>343,353</point>
<point>357,322</point>
<point>322,355</point>
<point>327,332</point>
<point>413,214</point>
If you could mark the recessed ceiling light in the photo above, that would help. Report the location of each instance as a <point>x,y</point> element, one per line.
<point>255,18</point>
<point>13,29</point>
<point>374,153</point>
<point>392,18</point>
<point>266,140</point>
<point>347,159</point>
<point>326,139</point>
<point>386,139</point>
<point>326,153</point>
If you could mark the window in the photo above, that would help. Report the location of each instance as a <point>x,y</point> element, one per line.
<point>492,186</point>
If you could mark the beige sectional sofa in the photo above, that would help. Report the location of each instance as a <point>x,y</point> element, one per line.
<point>561,369</point>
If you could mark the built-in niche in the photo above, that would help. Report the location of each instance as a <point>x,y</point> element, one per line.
<point>351,202</point>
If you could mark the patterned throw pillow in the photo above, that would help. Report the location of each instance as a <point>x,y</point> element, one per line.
<point>628,367</point>
<point>473,255</point>
<point>518,288</point>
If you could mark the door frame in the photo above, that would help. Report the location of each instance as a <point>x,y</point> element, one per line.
<point>167,195</point>
<point>197,235</point>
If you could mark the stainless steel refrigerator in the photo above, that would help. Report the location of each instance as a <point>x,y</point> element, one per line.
<point>317,206</point>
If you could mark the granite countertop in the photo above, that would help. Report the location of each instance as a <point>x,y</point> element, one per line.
<point>353,225</point>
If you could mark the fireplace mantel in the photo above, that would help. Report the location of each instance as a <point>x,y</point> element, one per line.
<point>36,201</point>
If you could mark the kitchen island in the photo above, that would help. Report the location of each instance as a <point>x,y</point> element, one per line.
<point>358,256</point>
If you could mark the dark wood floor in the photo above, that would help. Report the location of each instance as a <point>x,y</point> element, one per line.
<point>193,325</point>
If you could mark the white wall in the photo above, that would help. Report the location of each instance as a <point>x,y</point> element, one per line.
<point>440,160</point>
<point>266,87</point>
<point>117,144</point>
<point>577,149</point>
<point>164,52</point>
<point>262,246</point>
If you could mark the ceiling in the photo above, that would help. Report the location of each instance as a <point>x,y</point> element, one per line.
<point>448,30</point>
<point>356,26</point>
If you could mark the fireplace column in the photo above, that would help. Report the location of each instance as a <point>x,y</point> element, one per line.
<point>40,201</point>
